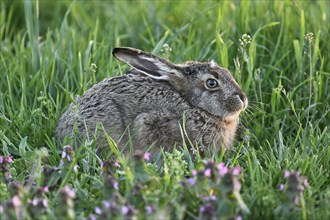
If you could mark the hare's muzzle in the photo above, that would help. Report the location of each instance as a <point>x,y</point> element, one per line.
<point>244,99</point>
<point>237,102</point>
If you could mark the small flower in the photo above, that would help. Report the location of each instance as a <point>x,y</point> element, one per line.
<point>236,171</point>
<point>45,189</point>
<point>210,198</point>
<point>45,203</point>
<point>75,168</point>
<point>309,37</point>
<point>192,151</point>
<point>305,181</point>
<point>282,187</point>
<point>295,185</point>
<point>207,172</point>
<point>191,181</point>
<point>5,162</point>
<point>69,192</point>
<point>207,210</point>
<point>93,68</point>
<point>67,154</point>
<point>194,172</point>
<point>245,40</point>
<point>222,169</point>
<point>109,166</point>
<point>146,156</point>
<point>166,49</point>
<point>16,201</point>
<point>92,217</point>
<point>98,210</point>
<point>106,204</point>
<point>149,209</point>
<point>111,183</point>
<point>115,185</point>
<point>64,154</point>
<point>124,210</point>
<point>35,202</point>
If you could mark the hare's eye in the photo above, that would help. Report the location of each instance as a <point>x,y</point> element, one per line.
<point>211,83</point>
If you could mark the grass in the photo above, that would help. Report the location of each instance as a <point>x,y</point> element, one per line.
<point>47,54</point>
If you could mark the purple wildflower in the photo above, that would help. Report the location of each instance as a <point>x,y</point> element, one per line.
<point>149,209</point>
<point>191,181</point>
<point>45,202</point>
<point>98,210</point>
<point>207,211</point>
<point>295,185</point>
<point>109,166</point>
<point>67,153</point>
<point>239,218</point>
<point>117,164</point>
<point>146,156</point>
<point>45,189</point>
<point>222,169</point>
<point>192,151</point>
<point>69,192</point>
<point>115,185</point>
<point>305,181</point>
<point>236,171</point>
<point>210,198</point>
<point>287,174</point>
<point>124,210</point>
<point>106,204</point>
<point>5,162</point>
<point>35,202</point>
<point>207,172</point>
<point>92,217</point>
<point>16,201</point>
<point>111,182</point>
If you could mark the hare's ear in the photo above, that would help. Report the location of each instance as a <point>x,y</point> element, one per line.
<point>150,65</point>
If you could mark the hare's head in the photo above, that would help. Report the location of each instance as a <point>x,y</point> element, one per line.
<point>205,85</point>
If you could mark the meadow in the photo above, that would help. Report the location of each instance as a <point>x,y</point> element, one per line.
<point>279,166</point>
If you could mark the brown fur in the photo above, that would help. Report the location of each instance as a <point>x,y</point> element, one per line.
<point>148,104</point>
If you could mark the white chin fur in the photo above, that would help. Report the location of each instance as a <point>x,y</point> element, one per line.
<point>232,117</point>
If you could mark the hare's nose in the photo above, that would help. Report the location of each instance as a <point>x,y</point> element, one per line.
<point>241,96</point>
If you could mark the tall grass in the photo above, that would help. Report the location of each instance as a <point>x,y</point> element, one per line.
<point>47,55</point>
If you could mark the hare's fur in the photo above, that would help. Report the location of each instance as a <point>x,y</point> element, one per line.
<point>152,104</point>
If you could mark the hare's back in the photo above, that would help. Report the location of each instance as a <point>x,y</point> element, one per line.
<point>116,102</point>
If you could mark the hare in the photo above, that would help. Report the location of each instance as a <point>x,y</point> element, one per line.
<point>149,105</point>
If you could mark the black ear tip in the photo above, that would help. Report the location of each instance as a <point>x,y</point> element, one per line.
<point>125,50</point>
<point>115,51</point>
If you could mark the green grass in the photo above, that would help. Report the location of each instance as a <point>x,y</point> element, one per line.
<point>47,49</point>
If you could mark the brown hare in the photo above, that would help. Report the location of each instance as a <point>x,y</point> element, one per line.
<point>149,105</point>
